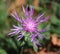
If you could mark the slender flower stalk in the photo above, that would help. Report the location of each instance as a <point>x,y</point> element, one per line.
<point>29,25</point>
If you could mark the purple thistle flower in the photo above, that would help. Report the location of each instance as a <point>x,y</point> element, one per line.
<point>29,25</point>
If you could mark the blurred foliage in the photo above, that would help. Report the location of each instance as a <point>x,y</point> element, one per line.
<point>2,51</point>
<point>10,45</point>
<point>3,14</point>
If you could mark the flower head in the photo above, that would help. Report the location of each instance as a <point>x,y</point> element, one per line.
<point>29,24</point>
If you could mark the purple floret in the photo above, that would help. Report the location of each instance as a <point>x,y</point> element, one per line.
<point>29,24</point>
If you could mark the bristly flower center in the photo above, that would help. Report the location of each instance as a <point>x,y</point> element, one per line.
<point>30,25</point>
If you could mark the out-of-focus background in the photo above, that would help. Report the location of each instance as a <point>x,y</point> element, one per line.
<point>10,45</point>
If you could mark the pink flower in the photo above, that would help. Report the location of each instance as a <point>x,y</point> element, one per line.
<point>29,24</point>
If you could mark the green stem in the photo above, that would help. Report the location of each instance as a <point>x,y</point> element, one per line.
<point>21,52</point>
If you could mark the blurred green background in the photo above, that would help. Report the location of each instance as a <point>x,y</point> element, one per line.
<point>10,45</point>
